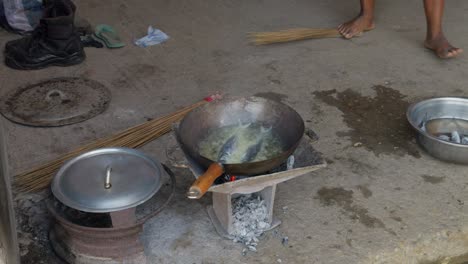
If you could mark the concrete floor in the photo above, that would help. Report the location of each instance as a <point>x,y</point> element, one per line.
<point>368,206</point>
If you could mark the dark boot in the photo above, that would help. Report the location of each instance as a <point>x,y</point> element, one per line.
<point>54,42</point>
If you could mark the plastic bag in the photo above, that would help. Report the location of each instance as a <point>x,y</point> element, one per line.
<point>22,15</point>
<point>155,36</point>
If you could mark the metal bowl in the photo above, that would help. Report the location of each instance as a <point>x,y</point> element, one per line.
<point>444,107</point>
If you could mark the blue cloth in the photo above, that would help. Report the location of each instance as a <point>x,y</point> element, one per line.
<point>22,15</point>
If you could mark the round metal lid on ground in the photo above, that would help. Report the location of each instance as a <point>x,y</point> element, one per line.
<point>107,180</point>
<point>56,102</point>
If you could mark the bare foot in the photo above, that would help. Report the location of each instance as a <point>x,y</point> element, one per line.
<point>441,47</point>
<point>356,26</point>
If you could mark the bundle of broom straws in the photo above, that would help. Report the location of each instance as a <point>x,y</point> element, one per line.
<point>134,137</point>
<point>264,38</point>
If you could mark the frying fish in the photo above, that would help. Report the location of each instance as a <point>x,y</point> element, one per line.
<point>252,151</point>
<point>252,142</point>
<point>227,149</point>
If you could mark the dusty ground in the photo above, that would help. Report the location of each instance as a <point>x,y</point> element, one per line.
<point>383,201</point>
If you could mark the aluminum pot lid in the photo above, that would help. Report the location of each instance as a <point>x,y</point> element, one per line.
<point>107,180</point>
<point>56,102</point>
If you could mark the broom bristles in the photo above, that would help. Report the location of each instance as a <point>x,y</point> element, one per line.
<point>263,38</point>
<point>40,177</point>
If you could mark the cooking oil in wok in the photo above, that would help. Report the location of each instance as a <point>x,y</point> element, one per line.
<point>247,137</point>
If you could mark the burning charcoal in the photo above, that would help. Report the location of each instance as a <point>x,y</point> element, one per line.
<point>444,137</point>
<point>455,137</point>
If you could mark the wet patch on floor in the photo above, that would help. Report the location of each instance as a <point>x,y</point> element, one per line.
<point>272,96</point>
<point>432,179</point>
<point>357,166</point>
<point>378,123</point>
<point>344,199</point>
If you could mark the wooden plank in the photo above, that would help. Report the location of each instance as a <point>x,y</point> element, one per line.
<point>8,236</point>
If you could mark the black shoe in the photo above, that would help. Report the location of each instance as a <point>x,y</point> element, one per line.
<point>54,42</point>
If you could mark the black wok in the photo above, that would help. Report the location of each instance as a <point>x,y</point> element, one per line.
<point>286,124</point>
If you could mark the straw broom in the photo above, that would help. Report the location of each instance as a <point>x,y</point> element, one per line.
<point>134,137</point>
<point>263,38</point>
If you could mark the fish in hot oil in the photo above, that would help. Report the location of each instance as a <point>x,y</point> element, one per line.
<point>253,150</point>
<point>232,144</point>
<point>228,149</point>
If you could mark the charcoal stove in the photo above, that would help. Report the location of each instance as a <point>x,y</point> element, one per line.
<point>304,160</point>
<point>97,205</point>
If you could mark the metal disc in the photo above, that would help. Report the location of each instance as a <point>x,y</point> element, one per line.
<point>56,102</point>
<point>82,183</point>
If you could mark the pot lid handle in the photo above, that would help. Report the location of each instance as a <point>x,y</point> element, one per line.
<point>107,183</point>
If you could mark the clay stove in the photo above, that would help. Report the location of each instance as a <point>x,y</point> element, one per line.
<point>116,240</point>
<point>103,226</point>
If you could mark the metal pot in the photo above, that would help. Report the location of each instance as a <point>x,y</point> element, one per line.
<point>444,107</point>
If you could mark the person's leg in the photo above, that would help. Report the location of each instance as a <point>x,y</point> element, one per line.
<point>435,39</point>
<point>363,22</point>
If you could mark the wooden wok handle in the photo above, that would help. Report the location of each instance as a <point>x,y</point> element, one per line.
<point>204,182</point>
